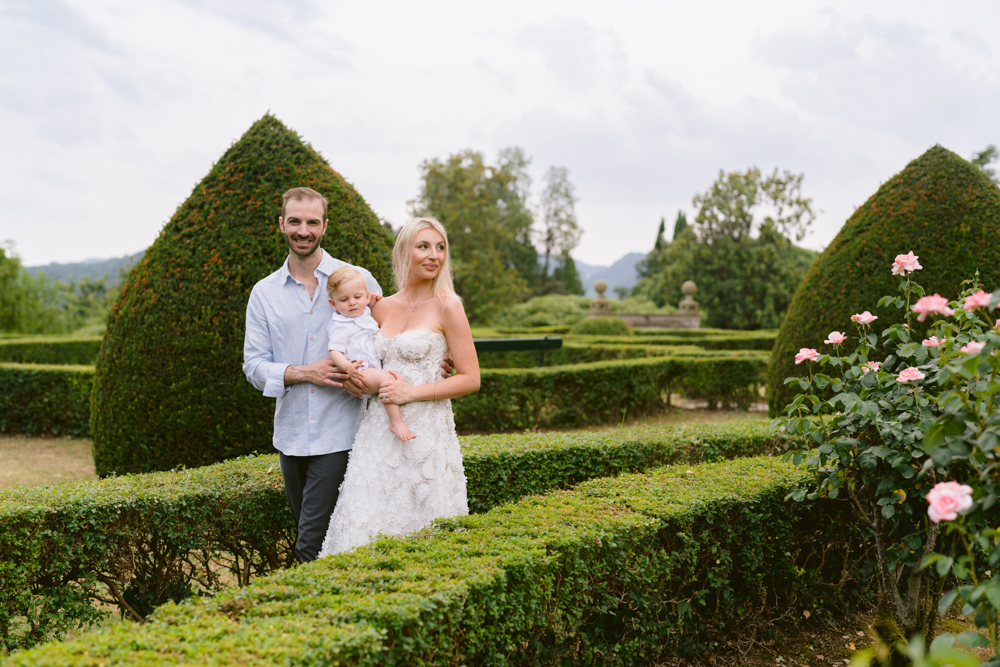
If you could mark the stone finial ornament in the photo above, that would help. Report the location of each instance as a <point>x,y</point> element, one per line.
<point>688,306</point>
<point>599,307</point>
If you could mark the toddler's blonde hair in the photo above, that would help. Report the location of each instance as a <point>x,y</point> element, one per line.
<point>340,276</point>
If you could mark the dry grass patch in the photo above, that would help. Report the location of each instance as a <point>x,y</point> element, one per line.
<point>26,461</point>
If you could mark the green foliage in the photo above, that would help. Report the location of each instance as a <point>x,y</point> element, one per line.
<point>45,400</point>
<point>884,418</point>
<point>485,210</point>
<point>169,388</point>
<point>615,571</point>
<point>559,234</point>
<point>737,252</point>
<point>545,311</point>
<point>720,340</point>
<point>601,326</point>
<point>565,310</point>
<point>137,540</point>
<point>941,207</point>
<point>135,531</point>
<point>565,278</point>
<point>984,158</point>
<point>57,350</point>
<point>40,305</point>
<point>519,398</point>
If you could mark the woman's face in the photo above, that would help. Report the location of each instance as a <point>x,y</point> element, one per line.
<point>428,255</point>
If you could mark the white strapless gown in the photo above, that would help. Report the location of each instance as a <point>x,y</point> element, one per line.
<point>394,487</point>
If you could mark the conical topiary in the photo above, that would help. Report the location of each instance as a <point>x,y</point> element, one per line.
<point>169,388</point>
<point>943,208</point>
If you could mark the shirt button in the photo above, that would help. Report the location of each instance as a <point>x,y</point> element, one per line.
<point>303,287</point>
<point>311,338</point>
<point>312,391</point>
<point>312,418</point>
<point>310,312</point>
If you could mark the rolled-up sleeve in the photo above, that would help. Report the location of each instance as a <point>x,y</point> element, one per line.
<point>258,356</point>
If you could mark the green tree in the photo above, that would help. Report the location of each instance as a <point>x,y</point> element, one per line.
<point>738,251</point>
<point>984,158</point>
<point>565,278</point>
<point>680,224</point>
<point>484,208</point>
<point>560,231</point>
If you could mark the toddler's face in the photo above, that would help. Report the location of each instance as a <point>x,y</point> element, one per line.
<point>351,298</point>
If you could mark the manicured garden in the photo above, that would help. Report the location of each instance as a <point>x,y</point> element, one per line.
<point>876,487</point>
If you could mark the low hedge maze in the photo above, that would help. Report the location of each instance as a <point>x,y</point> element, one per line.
<point>137,541</point>
<point>614,571</point>
<point>55,400</point>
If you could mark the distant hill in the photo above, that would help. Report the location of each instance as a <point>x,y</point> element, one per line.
<point>620,274</point>
<point>94,268</point>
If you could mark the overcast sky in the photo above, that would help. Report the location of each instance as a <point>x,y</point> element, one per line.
<point>112,111</point>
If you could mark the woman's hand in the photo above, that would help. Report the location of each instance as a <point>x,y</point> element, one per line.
<point>395,392</point>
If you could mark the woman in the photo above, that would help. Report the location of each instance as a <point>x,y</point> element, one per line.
<point>395,487</point>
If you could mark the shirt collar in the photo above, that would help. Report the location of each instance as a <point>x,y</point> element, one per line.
<point>327,265</point>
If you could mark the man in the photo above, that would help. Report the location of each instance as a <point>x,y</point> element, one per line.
<point>286,357</point>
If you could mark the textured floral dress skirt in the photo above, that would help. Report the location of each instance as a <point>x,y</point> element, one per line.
<point>394,487</point>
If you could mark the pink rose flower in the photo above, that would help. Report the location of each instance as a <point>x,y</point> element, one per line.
<point>947,499</point>
<point>910,374</point>
<point>863,318</point>
<point>905,263</point>
<point>978,300</point>
<point>835,338</point>
<point>932,304</point>
<point>806,354</point>
<point>933,341</point>
<point>871,366</point>
<point>972,347</point>
<point>997,325</point>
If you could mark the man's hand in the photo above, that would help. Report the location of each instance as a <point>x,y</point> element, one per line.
<point>447,367</point>
<point>321,372</point>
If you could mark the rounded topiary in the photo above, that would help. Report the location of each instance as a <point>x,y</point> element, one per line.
<point>601,326</point>
<point>169,388</point>
<point>943,208</point>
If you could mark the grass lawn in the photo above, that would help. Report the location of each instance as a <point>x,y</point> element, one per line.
<point>26,461</point>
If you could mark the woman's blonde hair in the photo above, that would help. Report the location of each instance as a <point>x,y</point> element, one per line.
<point>402,254</point>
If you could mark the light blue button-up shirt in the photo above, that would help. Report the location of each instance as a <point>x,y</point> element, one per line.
<point>285,327</point>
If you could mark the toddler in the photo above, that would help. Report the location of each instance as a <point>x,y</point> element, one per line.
<point>352,346</point>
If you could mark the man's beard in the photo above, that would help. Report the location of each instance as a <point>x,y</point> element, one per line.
<point>310,251</point>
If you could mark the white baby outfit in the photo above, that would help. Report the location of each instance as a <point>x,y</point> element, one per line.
<point>355,338</point>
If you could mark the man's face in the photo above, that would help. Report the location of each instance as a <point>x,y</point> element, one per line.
<point>303,226</point>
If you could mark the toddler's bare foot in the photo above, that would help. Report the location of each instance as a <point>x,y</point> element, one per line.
<point>400,430</point>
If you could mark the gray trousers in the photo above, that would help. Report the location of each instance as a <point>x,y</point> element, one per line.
<point>312,484</point>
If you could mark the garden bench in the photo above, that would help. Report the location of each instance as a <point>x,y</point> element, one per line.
<point>519,345</point>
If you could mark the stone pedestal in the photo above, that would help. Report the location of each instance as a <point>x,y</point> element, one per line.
<point>599,307</point>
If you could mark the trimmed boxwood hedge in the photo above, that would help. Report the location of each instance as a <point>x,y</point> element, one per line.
<point>606,391</point>
<point>601,326</point>
<point>943,208</point>
<point>510,399</point>
<point>37,399</point>
<point>159,535</point>
<point>616,571</point>
<point>52,350</point>
<point>750,340</point>
<point>169,388</point>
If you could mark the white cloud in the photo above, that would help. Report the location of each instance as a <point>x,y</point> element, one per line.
<point>114,110</point>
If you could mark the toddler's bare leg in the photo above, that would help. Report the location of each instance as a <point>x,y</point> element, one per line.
<point>374,378</point>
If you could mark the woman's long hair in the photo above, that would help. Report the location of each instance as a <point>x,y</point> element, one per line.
<point>402,254</point>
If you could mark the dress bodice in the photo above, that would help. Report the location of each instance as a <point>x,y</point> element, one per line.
<point>416,354</point>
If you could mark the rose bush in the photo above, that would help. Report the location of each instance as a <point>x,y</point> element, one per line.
<point>886,424</point>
